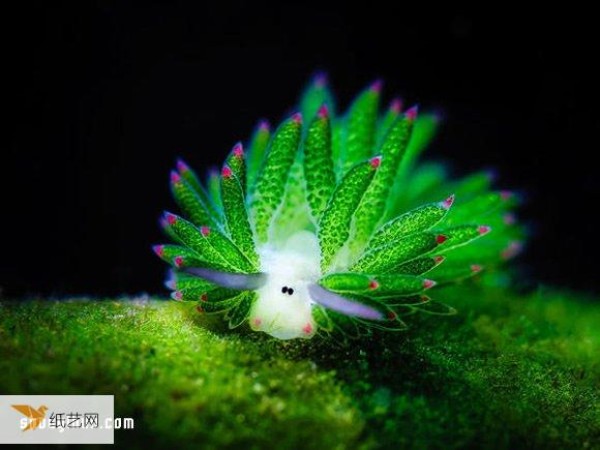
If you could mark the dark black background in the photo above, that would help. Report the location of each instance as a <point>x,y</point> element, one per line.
<point>103,96</point>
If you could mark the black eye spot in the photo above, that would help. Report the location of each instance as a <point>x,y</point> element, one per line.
<point>290,291</point>
<point>284,289</point>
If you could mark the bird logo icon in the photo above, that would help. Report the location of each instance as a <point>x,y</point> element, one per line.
<point>35,416</point>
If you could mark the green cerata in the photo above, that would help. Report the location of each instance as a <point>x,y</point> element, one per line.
<point>331,224</point>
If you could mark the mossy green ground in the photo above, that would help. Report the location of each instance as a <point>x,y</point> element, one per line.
<point>509,371</point>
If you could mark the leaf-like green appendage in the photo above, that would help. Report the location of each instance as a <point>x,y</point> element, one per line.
<point>393,322</point>
<point>293,213</point>
<point>456,271</point>
<point>271,181</point>
<point>193,181</point>
<point>426,184</point>
<point>425,128</point>
<point>461,235</point>
<point>236,161</point>
<point>213,183</point>
<point>373,204</point>
<point>386,122</point>
<point>241,311</point>
<point>190,201</point>
<point>236,214</point>
<point>406,301</point>
<point>479,207</point>
<point>419,266</point>
<point>388,257</point>
<point>321,318</point>
<point>256,152</point>
<point>168,253</point>
<point>475,184</point>
<point>417,220</point>
<point>318,165</point>
<point>334,226</point>
<point>359,131</point>
<point>215,249</point>
<point>316,94</point>
<point>181,281</point>
<point>353,327</point>
<point>375,285</point>
<point>436,308</point>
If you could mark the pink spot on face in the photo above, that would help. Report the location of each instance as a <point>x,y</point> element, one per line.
<point>171,218</point>
<point>175,177</point>
<point>204,297</point>
<point>200,309</point>
<point>323,111</point>
<point>509,219</point>
<point>396,106</point>
<point>238,150</point>
<point>177,295</point>
<point>375,162</point>
<point>438,259</point>
<point>484,229</point>
<point>411,114</point>
<point>263,125</point>
<point>257,322</point>
<point>476,268</point>
<point>205,230</point>
<point>391,315</point>
<point>377,86</point>
<point>446,204</point>
<point>297,118</point>
<point>428,284</point>
<point>226,172</point>
<point>178,261</point>
<point>182,166</point>
<point>159,250</point>
<point>440,238</point>
<point>373,284</point>
<point>506,195</point>
<point>307,329</point>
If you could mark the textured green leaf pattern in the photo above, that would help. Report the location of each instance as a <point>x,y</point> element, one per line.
<point>335,222</point>
<point>318,165</point>
<point>271,181</point>
<point>373,204</point>
<point>391,255</point>
<point>240,312</point>
<point>257,150</point>
<point>236,215</point>
<point>419,219</point>
<point>218,250</point>
<point>190,202</point>
<point>359,131</point>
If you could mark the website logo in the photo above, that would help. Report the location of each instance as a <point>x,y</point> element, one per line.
<point>59,419</point>
<point>35,416</point>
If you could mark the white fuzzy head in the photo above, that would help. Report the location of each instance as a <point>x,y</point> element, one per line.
<point>283,308</point>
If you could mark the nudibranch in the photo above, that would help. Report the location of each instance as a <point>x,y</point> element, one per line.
<point>330,223</point>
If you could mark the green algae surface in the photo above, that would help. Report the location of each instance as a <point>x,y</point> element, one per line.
<point>508,371</point>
